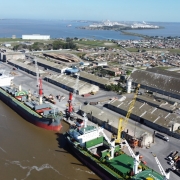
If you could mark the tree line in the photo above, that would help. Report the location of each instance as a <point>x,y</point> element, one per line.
<point>55,45</point>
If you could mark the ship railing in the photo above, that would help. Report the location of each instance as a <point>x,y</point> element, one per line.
<point>20,104</point>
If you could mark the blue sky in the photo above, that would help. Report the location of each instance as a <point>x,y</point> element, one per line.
<point>115,10</point>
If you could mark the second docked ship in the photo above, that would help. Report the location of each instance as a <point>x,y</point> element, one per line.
<point>33,109</point>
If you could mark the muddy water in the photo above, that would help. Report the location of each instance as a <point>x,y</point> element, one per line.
<point>31,153</point>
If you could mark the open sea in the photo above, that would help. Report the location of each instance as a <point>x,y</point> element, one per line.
<point>64,28</point>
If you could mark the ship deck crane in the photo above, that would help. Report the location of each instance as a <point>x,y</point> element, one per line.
<point>123,122</point>
<point>111,144</point>
<point>136,159</point>
<point>165,174</point>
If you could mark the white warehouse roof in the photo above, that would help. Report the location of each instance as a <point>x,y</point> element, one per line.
<point>36,36</point>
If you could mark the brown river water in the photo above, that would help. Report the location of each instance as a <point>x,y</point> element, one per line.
<point>28,152</point>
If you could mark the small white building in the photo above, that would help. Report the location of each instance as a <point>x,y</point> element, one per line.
<point>101,63</point>
<point>36,36</point>
<point>7,45</point>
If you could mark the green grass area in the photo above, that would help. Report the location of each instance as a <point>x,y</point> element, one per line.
<point>90,43</point>
<point>132,49</point>
<point>16,40</point>
<point>163,67</point>
<point>3,40</point>
<point>174,50</point>
<point>96,43</point>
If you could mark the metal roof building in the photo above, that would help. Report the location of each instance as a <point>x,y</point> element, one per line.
<point>51,65</point>
<point>110,122</point>
<point>91,78</point>
<point>25,67</point>
<point>68,83</point>
<point>156,117</point>
<point>159,81</point>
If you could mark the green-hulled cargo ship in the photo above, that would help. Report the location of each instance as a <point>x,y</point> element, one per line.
<point>107,160</point>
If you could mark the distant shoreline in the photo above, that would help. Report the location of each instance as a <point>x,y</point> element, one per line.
<point>121,29</point>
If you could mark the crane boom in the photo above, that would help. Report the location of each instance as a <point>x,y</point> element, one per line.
<point>166,175</point>
<point>76,86</point>
<point>37,72</point>
<point>121,126</point>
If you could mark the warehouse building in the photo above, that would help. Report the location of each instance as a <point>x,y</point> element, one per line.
<point>19,64</point>
<point>158,81</point>
<point>36,37</point>
<point>51,65</point>
<point>110,122</point>
<point>91,78</point>
<point>68,83</point>
<point>149,113</point>
<point>8,56</point>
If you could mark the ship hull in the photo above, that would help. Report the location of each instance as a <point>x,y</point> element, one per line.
<point>39,121</point>
<point>101,172</point>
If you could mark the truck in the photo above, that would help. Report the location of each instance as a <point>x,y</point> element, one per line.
<point>172,155</point>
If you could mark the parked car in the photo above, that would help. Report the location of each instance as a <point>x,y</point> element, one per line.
<point>161,136</point>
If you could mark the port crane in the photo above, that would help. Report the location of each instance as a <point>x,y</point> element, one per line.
<point>166,174</point>
<point>123,122</point>
<point>72,96</point>
<point>37,72</point>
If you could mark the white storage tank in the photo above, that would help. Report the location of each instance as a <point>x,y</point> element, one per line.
<point>129,85</point>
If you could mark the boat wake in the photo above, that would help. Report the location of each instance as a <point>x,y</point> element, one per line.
<point>89,172</point>
<point>3,150</point>
<point>40,168</point>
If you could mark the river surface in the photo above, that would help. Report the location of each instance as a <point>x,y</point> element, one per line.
<point>28,152</point>
<point>64,28</point>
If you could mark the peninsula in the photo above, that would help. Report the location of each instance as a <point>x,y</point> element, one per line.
<point>118,26</point>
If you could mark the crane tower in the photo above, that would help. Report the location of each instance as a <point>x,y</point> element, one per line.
<point>123,122</point>
<point>72,96</point>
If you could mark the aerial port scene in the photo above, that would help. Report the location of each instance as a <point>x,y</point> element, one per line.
<point>89,98</point>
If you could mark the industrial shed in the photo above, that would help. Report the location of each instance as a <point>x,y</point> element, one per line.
<point>91,78</point>
<point>158,81</point>
<point>68,83</point>
<point>51,65</point>
<point>110,122</point>
<point>7,56</point>
<point>145,113</point>
<point>25,67</point>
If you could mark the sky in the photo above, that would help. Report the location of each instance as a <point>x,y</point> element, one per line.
<point>113,10</point>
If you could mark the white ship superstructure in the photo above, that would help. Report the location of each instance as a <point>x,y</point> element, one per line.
<point>5,80</point>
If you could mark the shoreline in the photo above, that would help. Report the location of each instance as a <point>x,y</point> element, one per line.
<point>123,31</point>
